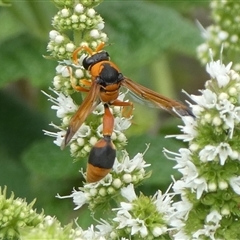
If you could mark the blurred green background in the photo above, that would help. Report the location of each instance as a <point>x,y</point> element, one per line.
<point>153,43</point>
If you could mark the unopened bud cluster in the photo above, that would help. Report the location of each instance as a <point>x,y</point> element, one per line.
<point>16,215</point>
<point>224,31</point>
<point>77,18</point>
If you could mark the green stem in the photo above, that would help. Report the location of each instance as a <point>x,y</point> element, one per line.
<point>161,76</point>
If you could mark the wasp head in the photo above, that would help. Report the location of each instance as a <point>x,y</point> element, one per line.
<point>89,61</point>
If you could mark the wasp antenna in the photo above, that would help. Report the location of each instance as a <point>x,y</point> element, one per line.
<point>100,46</point>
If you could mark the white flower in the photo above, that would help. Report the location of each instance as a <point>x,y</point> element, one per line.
<point>129,165</point>
<point>224,150</point>
<point>208,99</point>
<point>157,231</point>
<point>122,217</point>
<point>200,185</point>
<point>214,217</point>
<point>179,186</point>
<point>83,131</point>
<point>184,163</point>
<point>138,225</point>
<point>129,193</point>
<point>58,135</point>
<point>180,235</point>
<point>230,114</point>
<point>220,72</point>
<point>63,70</point>
<point>99,110</point>
<point>163,203</point>
<point>209,153</point>
<point>104,227</point>
<point>189,129</point>
<point>64,104</point>
<point>235,184</point>
<point>90,233</point>
<point>79,198</point>
<point>121,124</point>
<point>182,210</point>
<point>207,231</point>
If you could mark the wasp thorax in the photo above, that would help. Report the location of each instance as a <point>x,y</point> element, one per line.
<point>95,58</point>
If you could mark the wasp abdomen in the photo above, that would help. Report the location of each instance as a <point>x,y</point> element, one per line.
<point>101,159</point>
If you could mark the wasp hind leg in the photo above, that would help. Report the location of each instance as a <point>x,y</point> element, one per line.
<point>127,107</point>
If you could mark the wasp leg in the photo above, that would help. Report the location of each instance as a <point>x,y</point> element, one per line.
<point>85,82</point>
<point>103,154</point>
<point>127,107</point>
<point>87,49</point>
<point>77,50</point>
<point>78,88</point>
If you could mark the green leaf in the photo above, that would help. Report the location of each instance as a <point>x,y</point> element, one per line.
<point>142,30</point>
<point>20,125</point>
<point>33,15</point>
<point>23,41</point>
<point>22,58</point>
<point>10,28</point>
<point>14,175</point>
<point>161,167</point>
<point>47,160</point>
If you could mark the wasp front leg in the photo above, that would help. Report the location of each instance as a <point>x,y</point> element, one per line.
<point>84,82</point>
<point>102,155</point>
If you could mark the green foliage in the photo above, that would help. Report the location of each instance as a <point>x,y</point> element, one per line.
<point>144,30</point>
<point>57,165</point>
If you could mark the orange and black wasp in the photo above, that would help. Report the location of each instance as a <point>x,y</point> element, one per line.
<point>106,81</point>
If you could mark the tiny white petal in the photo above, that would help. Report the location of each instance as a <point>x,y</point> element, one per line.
<point>235,184</point>
<point>214,217</point>
<point>129,193</point>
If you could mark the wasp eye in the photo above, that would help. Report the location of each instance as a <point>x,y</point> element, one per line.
<point>87,62</point>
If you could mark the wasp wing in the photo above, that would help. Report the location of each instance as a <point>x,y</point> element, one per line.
<point>87,106</point>
<point>159,100</point>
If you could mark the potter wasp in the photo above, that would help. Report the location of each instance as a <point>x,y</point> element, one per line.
<point>106,81</point>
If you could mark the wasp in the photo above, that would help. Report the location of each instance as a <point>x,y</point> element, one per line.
<point>106,81</point>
